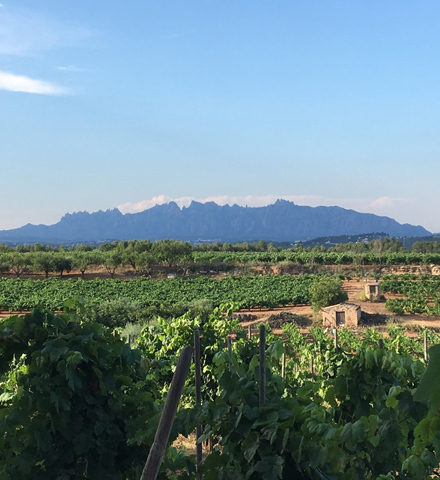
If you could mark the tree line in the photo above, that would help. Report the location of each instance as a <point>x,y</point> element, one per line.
<point>146,257</point>
<point>379,245</point>
<point>140,256</point>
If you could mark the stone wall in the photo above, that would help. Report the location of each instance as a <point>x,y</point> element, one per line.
<point>343,315</point>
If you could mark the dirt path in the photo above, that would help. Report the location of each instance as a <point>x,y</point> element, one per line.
<point>354,289</point>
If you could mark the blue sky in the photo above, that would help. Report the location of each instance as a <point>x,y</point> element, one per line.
<point>128,104</point>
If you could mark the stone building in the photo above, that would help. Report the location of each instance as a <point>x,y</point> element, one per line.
<point>341,315</point>
<point>372,291</point>
<point>435,270</point>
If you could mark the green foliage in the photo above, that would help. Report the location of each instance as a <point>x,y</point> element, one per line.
<point>43,261</point>
<point>143,257</point>
<point>429,389</point>
<point>326,291</point>
<point>117,313</point>
<point>355,420</point>
<point>111,261</point>
<point>82,260</point>
<point>161,343</point>
<point>421,294</point>
<point>77,402</point>
<point>4,263</point>
<point>426,247</point>
<point>19,263</point>
<point>74,403</point>
<point>395,306</point>
<point>158,295</point>
<point>171,251</point>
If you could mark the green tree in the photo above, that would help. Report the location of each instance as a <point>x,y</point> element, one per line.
<point>39,247</point>
<point>326,291</point>
<point>132,251</point>
<point>82,260</point>
<point>62,263</point>
<point>260,246</point>
<point>144,262</point>
<point>112,260</point>
<point>43,262</point>
<point>426,247</point>
<point>19,262</point>
<point>4,263</point>
<point>271,248</point>
<point>83,248</point>
<point>171,251</point>
<point>4,248</point>
<point>107,247</point>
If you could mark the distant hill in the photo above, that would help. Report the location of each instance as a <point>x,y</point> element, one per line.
<point>409,241</point>
<point>328,242</point>
<point>282,221</point>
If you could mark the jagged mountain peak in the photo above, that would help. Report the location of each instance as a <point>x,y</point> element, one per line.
<point>280,221</point>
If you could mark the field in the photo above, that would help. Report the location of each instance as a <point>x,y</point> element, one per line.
<point>354,289</point>
<point>293,401</point>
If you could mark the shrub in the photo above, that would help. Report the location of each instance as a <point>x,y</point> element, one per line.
<point>326,291</point>
<point>69,400</point>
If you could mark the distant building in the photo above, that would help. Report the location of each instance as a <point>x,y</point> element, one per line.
<point>372,291</point>
<point>341,315</point>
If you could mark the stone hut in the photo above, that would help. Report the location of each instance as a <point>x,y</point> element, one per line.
<point>372,291</point>
<point>341,315</point>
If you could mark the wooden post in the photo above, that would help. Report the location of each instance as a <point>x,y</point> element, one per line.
<point>283,366</point>
<point>249,331</point>
<point>154,460</point>
<point>198,385</point>
<point>381,343</point>
<point>312,365</point>
<point>425,344</point>
<point>229,340</point>
<point>262,397</point>
<point>336,338</point>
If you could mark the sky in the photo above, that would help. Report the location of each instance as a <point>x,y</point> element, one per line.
<point>129,104</point>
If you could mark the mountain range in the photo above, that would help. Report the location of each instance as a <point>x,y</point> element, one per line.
<point>282,221</point>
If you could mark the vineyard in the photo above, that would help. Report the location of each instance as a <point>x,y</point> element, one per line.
<point>320,258</point>
<point>159,258</point>
<point>405,294</point>
<point>246,292</point>
<point>82,391</point>
<point>78,402</point>
<point>422,294</point>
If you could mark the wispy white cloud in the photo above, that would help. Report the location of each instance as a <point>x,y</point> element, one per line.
<point>243,200</point>
<point>26,33</point>
<point>134,207</point>
<point>21,83</point>
<point>69,68</point>
<point>384,203</point>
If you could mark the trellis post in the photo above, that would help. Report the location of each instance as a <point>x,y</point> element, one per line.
<point>155,457</point>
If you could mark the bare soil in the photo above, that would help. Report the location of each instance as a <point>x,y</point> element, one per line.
<point>354,289</point>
